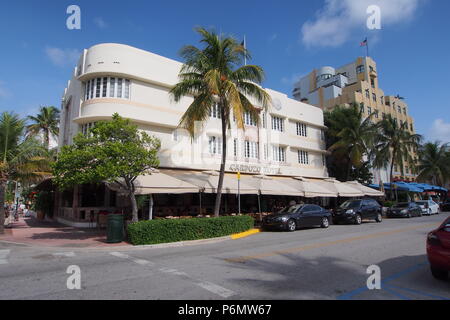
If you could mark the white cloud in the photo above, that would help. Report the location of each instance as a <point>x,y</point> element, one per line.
<point>100,23</point>
<point>440,131</point>
<point>334,24</point>
<point>62,57</point>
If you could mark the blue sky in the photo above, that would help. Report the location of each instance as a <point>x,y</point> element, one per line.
<point>287,38</point>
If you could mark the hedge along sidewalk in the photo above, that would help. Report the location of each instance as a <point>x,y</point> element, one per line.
<point>177,230</point>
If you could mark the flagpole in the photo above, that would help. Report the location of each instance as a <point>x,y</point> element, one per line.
<point>367,45</point>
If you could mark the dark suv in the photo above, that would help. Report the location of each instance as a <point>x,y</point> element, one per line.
<point>354,211</point>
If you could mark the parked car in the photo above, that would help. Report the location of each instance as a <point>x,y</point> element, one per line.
<point>428,207</point>
<point>298,216</point>
<point>438,250</point>
<point>354,211</point>
<point>445,206</point>
<point>404,210</point>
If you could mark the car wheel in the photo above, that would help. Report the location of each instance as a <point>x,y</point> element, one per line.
<point>379,218</point>
<point>358,219</point>
<point>291,225</point>
<point>325,223</point>
<point>439,273</point>
<point>409,215</point>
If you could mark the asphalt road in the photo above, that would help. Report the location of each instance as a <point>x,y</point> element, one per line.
<point>307,264</point>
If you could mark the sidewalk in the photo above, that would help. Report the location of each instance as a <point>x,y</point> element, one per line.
<point>33,232</point>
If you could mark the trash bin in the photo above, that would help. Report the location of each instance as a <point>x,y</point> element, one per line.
<point>114,228</point>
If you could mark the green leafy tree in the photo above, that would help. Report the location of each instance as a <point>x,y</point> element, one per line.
<point>394,146</point>
<point>113,151</point>
<point>350,138</point>
<point>21,160</point>
<point>45,123</point>
<point>434,163</point>
<point>215,75</point>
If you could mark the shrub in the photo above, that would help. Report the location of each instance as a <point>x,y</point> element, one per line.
<point>164,230</point>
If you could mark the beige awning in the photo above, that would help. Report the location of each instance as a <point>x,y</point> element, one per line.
<point>340,188</point>
<point>366,190</point>
<point>308,188</point>
<point>207,181</point>
<point>158,182</point>
<point>271,186</point>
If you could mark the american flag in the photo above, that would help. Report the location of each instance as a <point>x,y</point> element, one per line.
<point>364,43</point>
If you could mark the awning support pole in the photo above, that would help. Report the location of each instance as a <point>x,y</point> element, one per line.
<point>150,210</point>
<point>259,202</point>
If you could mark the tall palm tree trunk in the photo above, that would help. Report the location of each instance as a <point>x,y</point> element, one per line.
<point>46,139</point>
<point>391,175</point>
<point>222,165</point>
<point>2,205</point>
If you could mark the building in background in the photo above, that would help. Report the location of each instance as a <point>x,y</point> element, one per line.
<point>356,82</point>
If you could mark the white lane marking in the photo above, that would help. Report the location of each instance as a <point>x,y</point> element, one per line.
<point>216,289</point>
<point>211,287</point>
<point>120,255</point>
<point>4,256</point>
<point>64,254</point>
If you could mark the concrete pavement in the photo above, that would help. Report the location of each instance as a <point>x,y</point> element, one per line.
<point>307,264</point>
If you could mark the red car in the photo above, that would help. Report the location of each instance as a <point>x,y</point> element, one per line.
<point>438,250</point>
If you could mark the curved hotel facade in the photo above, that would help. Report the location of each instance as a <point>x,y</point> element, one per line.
<point>134,83</point>
<point>115,78</point>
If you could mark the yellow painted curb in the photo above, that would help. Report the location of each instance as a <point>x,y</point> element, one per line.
<point>245,234</point>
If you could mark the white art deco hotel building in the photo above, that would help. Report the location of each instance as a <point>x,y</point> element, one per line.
<point>115,78</point>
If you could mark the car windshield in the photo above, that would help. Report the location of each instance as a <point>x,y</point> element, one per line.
<point>350,204</point>
<point>403,205</point>
<point>291,209</point>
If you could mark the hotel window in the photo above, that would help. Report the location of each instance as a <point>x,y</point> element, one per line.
<point>361,106</point>
<point>85,128</point>
<point>248,119</point>
<point>360,69</point>
<point>302,129</point>
<point>108,87</point>
<point>98,87</point>
<point>369,111</point>
<point>374,97</point>
<point>372,82</point>
<point>376,114</point>
<point>384,115</point>
<point>404,110</point>
<point>251,150</point>
<point>119,87</point>
<point>303,157</point>
<point>104,87</point>
<point>399,109</point>
<point>215,145</point>
<point>279,154</point>
<point>112,87</point>
<point>382,100</point>
<point>215,112</point>
<point>412,127</point>
<point>264,120</point>
<point>235,147</point>
<point>278,124</point>
<point>367,94</point>
<point>175,135</point>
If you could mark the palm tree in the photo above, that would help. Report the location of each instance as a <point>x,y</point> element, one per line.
<point>214,76</point>
<point>393,145</point>
<point>20,160</point>
<point>434,163</point>
<point>351,135</point>
<point>46,122</point>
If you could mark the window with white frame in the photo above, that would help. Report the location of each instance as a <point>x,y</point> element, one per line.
<point>279,154</point>
<point>251,150</point>
<point>302,129</point>
<point>277,124</point>
<point>215,145</point>
<point>303,157</point>
<point>235,147</point>
<point>85,128</point>
<point>214,112</point>
<point>264,120</point>
<point>107,87</point>
<point>248,119</point>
